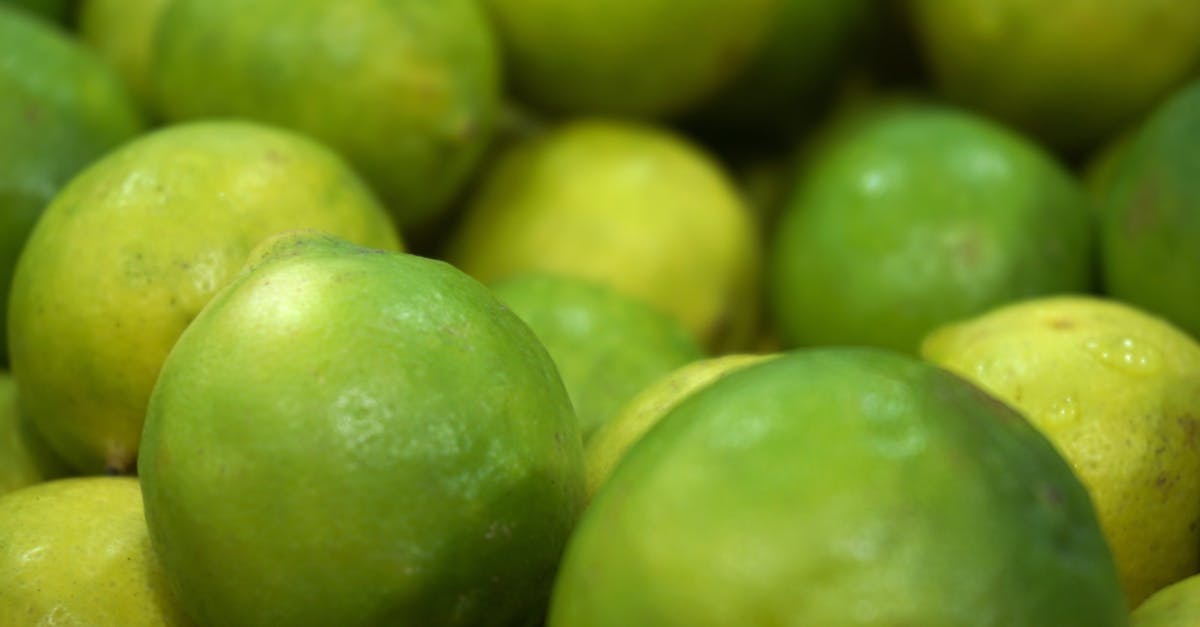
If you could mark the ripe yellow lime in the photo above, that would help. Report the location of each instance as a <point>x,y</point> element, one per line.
<point>133,247</point>
<point>632,206</point>
<point>612,440</point>
<point>1118,392</point>
<point>75,552</point>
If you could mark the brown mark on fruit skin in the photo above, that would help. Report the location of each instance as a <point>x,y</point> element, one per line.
<point>1052,496</point>
<point>1143,214</point>
<point>1062,324</point>
<point>1188,424</point>
<point>33,114</point>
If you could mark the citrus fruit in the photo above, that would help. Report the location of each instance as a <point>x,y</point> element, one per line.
<point>24,457</point>
<point>1177,605</point>
<point>606,346</point>
<point>1150,215</point>
<point>628,205</point>
<point>407,90</point>
<point>74,552</point>
<point>917,215</point>
<point>61,107</point>
<point>122,33</point>
<point>131,249</point>
<point>609,444</point>
<point>1117,391</point>
<point>1071,72</point>
<point>795,66</point>
<point>346,436</point>
<point>643,58</point>
<point>839,487</point>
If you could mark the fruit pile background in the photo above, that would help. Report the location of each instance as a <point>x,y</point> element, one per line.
<point>568,312</point>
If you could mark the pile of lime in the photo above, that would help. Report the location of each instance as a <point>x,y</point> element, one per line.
<point>573,313</point>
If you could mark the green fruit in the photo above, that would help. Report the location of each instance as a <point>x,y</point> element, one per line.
<point>75,553</point>
<point>24,457</point>
<point>135,245</point>
<point>1150,215</point>
<point>796,64</point>
<point>1070,73</point>
<point>350,437</point>
<point>407,90</point>
<point>916,216</point>
<point>632,206</point>
<point>647,58</point>
<point>840,487</point>
<point>607,346</point>
<point>122,33</point>
<point>1177,605</point>
<point>60,108</point>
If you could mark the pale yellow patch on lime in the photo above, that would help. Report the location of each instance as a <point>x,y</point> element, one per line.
<point>1118,392</point>
<point>612,440</point>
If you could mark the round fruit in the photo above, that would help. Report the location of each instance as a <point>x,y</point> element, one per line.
<point>75,552</point>
<point>627,57</point>
<point>1118,392</point>
<point>1150,215</point>
<point>122,33</point>
<point>24,457</point>
<point>607,346</point>
<point>1069,72</point>
<point>798,61</point>
<point>839,487</point>
<point>914,216</point>
<point>609,444</point>
<point>345,436</point>
<point>631,206</point>
<point>133,247</point>
<point>60,108</point>
<point>407,90</point>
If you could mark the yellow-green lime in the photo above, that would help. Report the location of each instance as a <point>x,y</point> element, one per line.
<point>632,206</point>
<point>407,90</point>
<point>134,246</point>
<point>1070,73</point>
<point>1117,390</point>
